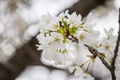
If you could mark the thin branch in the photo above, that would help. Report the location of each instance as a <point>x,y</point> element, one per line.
<point>115,52</point>
<point>117,46</point>
<point>98,54</point>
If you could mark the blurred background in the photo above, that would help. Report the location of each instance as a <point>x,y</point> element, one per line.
<point>19,58</point>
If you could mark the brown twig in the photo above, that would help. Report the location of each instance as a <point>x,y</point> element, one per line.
<point>98,54</point>
<point>116,50</point>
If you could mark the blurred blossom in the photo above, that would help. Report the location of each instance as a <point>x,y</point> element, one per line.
<point>42,73</point>
<point>1,29</point>
<point>35,73</point>
<point>58,75</point>
<point>31,32</point>
<point>8,49</point>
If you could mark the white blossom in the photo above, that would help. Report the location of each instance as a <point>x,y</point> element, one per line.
<point>57,42</point>
<point>108,44</point>
<point>62,41</point>
<point>79,74</point>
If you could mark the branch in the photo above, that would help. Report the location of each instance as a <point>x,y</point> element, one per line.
<point>98,54</point>
<point>83,7</point>
<point>115,52</point>
<point>117,46</point>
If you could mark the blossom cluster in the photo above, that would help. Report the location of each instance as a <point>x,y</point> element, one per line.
<point>62,41</point>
